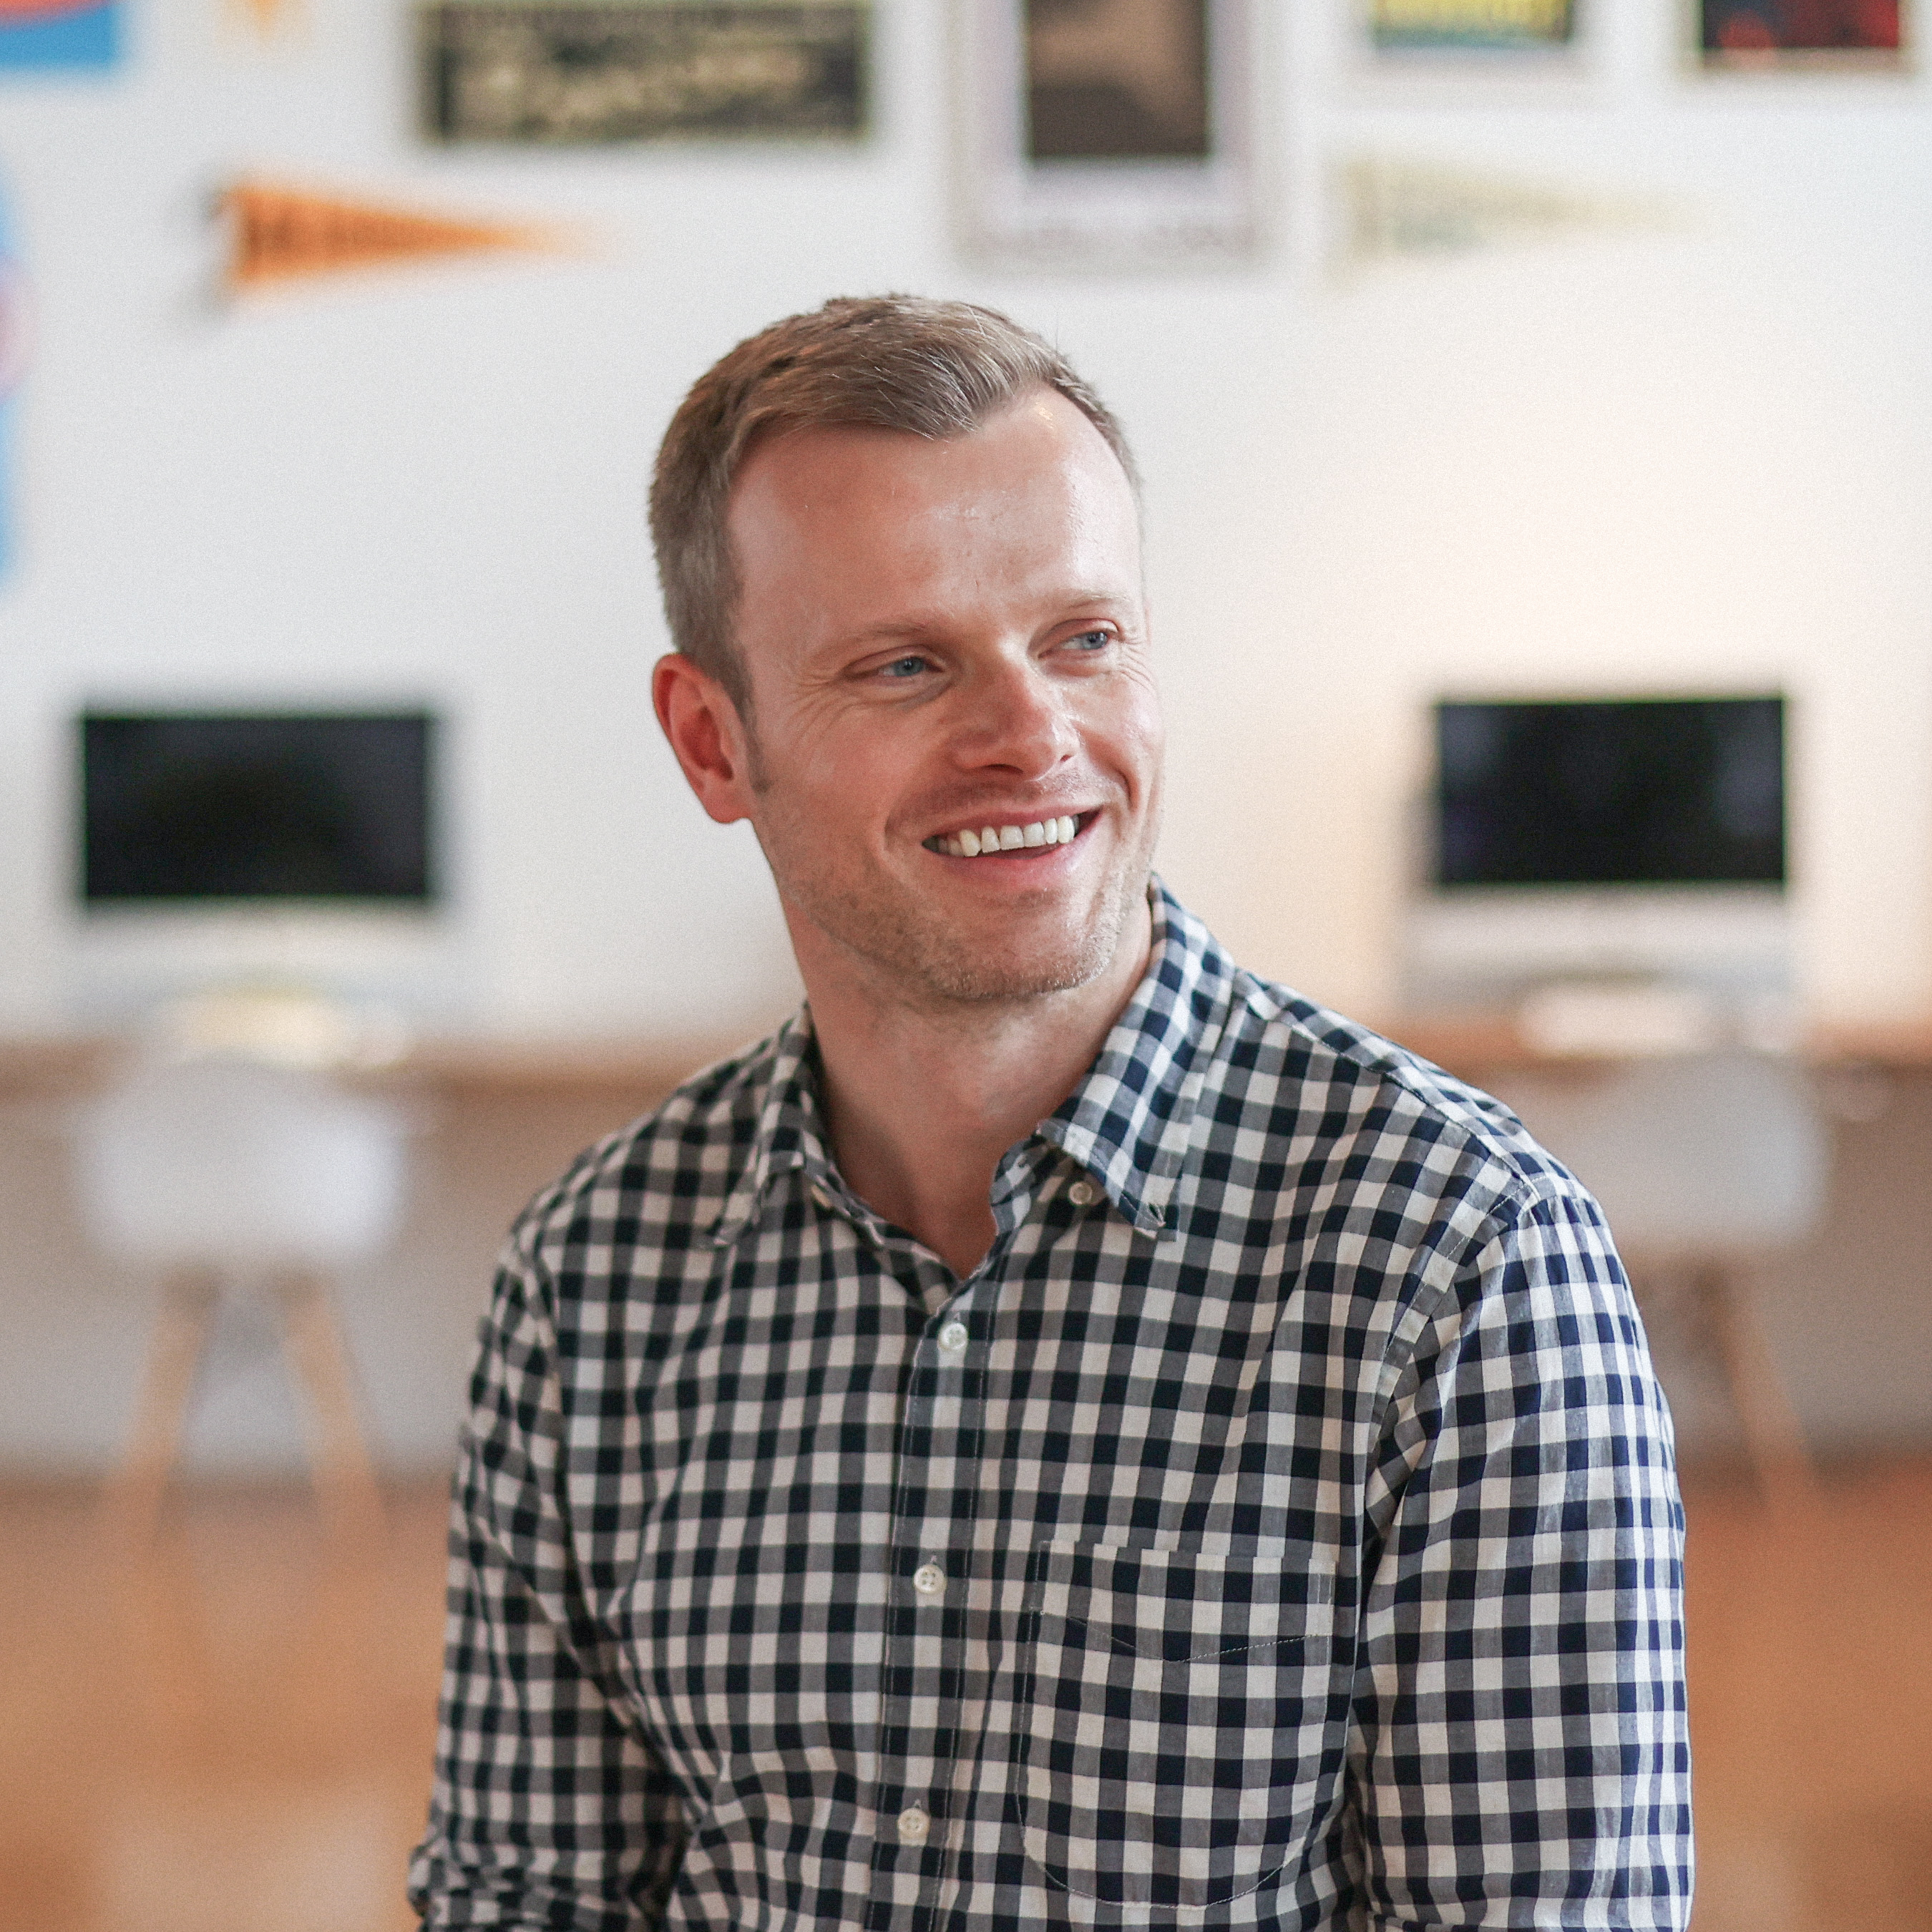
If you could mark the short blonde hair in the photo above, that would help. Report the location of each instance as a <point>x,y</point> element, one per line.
<point>935,369</point>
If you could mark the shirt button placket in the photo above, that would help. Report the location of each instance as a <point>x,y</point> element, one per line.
<point>921,1714</point>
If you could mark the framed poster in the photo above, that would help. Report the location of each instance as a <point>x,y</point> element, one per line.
<point>1109,133</point>
<point>16,341</point>
<point>1472,26</point>
<point>553,73</point>
<point>1751,35</point>
<point>59,34</point>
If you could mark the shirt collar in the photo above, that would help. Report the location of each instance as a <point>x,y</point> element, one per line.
<point>1129,1121</point>
<point>789,1133</point>
<point>1131,1118</point>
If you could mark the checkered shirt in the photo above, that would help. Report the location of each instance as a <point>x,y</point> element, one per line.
<point>1277,1528</point>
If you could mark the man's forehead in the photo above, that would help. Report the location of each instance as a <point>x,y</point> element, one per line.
<point>1038,434</point>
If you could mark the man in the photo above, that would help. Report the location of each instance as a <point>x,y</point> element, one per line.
<point>1065,1434</point>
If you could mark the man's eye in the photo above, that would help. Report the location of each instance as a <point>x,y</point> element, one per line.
<point>906,667</point>
<point>1091,640</point>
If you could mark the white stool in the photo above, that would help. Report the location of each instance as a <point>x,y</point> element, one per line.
<point>1705,1165</point>
<point>226,1172</point>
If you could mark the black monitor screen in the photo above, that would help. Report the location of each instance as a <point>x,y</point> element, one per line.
<point>1650,791</point>
<point>233,805</point>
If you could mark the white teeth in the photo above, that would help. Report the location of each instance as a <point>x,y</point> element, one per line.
<point>1042,831</point>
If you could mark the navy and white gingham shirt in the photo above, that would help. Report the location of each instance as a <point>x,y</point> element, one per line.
<point>1277,1528</point>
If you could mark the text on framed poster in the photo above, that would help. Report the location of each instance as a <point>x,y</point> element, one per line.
<point>585,71</point>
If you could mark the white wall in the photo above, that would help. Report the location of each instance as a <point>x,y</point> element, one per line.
<point>1677,455</point>
<point>1652,456</point>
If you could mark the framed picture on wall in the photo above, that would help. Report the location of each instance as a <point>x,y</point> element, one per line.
<point>68,33</point>
<point>578,73</point>
<point>1108,133</point>
<point>1754,36</point>
<point>1486,29</point>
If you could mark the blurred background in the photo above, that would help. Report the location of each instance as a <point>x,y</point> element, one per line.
<point>1535,402</point>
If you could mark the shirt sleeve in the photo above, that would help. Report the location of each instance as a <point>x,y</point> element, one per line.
<point>549,1809</point>
<point>1519,1755</point>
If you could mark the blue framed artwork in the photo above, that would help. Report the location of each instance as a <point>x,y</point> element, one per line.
<point>15,329</point>
<point>54,35</point>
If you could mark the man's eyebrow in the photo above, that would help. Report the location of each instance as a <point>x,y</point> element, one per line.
<point>891,628</point>
<point>923,623</point>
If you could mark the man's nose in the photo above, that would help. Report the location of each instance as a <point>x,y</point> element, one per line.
<point>1016,716</point>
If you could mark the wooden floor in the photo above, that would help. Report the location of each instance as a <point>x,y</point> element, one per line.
<point>235,1732</point>
<point>1811,1706</point>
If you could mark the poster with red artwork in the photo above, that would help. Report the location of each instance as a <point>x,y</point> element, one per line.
<point>1754,34</point>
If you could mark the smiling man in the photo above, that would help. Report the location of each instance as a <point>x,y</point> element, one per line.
<point>1066,1433</point>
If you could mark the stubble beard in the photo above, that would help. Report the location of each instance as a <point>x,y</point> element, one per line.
<point>935,968</point>
<point>916,959</point>
<point>924,961</point>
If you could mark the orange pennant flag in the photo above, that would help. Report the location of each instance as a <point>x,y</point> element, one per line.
<point>280,234</point>
<point>269,17</point>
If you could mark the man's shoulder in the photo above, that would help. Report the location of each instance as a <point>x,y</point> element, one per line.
<point>1288,1067</point>
<point>668,1173</point>
<point>1327,1078</point>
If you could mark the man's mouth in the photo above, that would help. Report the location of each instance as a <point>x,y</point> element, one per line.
<point>1035,833</point>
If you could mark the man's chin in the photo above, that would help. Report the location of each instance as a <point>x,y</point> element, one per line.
<point>1011,967</point>
<point>966,982</point>
<point>945,958</point>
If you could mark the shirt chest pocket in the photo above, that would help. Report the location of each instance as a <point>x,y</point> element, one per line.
<point>1184,1716</point>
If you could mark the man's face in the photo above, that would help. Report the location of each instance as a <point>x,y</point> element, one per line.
<point>945,639</point>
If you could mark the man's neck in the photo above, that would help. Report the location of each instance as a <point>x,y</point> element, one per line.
<point>922,1104</point>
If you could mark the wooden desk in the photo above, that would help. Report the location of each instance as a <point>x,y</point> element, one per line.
<point>643,1069</point>
<point>53,1067</point>
<point>1474,1045</point>
<point>45,1066</point>
<point>621,1065</point>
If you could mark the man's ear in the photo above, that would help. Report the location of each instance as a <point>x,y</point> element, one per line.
<point>707,735</point>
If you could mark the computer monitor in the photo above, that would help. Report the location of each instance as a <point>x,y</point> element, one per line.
<point>1574,838</point>
<point>225,845</point>
<point>206,808</point>
<point>1661,791</point>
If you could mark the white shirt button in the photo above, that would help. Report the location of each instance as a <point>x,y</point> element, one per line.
<point>928,1580</point>
<point>914,1826</point>
<point>953,1338</point>
<point>1083,1194</point>
<point>824,1199</point>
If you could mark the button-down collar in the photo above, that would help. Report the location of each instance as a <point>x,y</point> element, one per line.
<point>1129,1122</point>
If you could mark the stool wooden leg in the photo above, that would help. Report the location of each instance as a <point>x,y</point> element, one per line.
<point>1774,1438</point>
<point>345,1481</point>
<point>132,1506</point>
